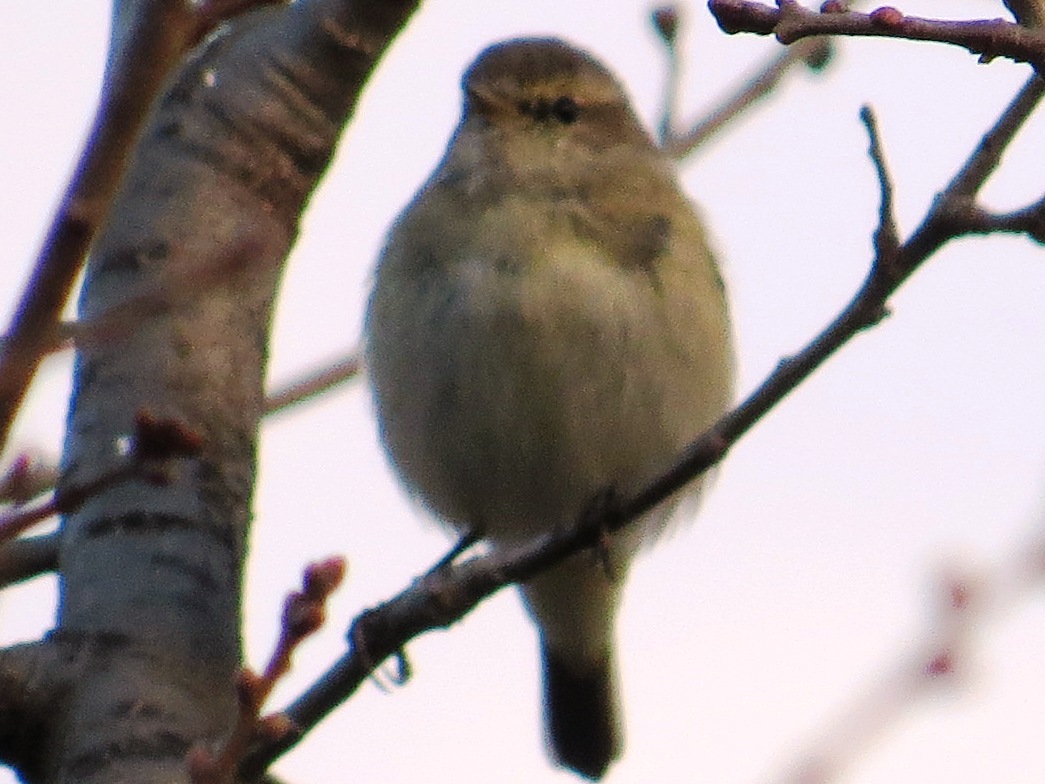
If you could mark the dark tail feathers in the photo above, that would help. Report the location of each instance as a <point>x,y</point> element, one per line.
<point>581,715</point>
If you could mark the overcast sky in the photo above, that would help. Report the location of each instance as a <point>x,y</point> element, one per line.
<point>810,574</point>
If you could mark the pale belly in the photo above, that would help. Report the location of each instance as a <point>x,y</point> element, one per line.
<point>527,396</point>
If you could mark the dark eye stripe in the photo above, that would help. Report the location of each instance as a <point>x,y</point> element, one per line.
<point>565,109</point>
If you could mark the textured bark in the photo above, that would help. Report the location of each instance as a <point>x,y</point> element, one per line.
<point>147,645</point>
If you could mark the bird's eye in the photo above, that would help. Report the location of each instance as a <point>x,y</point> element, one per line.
<point>565,109</point>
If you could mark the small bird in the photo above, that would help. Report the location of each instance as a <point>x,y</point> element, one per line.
<point>548,323</point>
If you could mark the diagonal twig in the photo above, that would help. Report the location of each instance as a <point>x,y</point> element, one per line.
<point>307,387</point>
<point>145,48</point>
<point>814,53</point>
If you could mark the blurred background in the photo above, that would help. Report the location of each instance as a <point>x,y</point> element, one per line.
<point>774,627</point>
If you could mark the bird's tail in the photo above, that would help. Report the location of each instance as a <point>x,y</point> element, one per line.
<point>581,714</point>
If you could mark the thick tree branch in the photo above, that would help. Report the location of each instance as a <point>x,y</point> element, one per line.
<point>151,573</point>
<point>790,22</point>
<point>33,680</point>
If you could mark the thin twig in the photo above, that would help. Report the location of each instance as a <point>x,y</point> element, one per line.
<point>971,177</point>
<point>41,476</point>
<point>154,440</point>
<point>790,22</point>
<point>338,372</point>
<point>27,477</point>
<point>666,21</point>
<point>886,236</point>
<point>304,613</point>
<point>28,557</point>
<point>144,51</point>
<point>954,211</point>
<point>1029,220</point>
<point>813,52</point>
<point>16,522</point>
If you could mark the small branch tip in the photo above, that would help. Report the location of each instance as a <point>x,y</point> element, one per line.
<point>666,23</point>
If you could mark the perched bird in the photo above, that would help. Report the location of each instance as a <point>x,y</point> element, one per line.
<point>547,322</point>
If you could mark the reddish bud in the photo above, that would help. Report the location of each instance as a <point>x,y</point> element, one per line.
<point>276,727</point>
<point>666,23</point>
<point>301,617</point>
<point>887,17</point>
<point>959,595</point>
<point>940,665</point>
<point>250,688</point>
<point>16,485</point>
<point>323,577</point>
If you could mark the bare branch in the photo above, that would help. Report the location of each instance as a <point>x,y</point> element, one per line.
<point>231,154</point>
<point>27,477</point>
<point>316,383</point>
<point>149,39</point>
<point>304,612</point>
<point>886,236</point>
<point>441,597</point>
<point>992,146</point>
<point>950,215</point>
<point>814,53</point>
<point>666,21</point>
<point>14,523</point>
<point>28,557</point>
<point>790,22</point>
<point>155,440</point>
<point>1029,13</point>
<point>1030,221</point>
